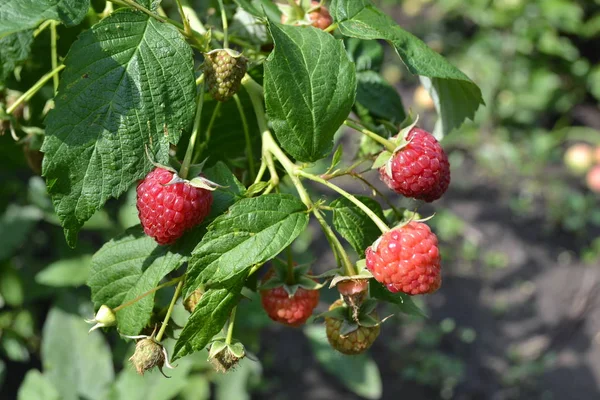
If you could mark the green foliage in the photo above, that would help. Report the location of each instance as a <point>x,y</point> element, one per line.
<point>20,15</point>
<point>456,96</point>
<point>354,225</point>
<point>128,87</point>
<point>309,91</point>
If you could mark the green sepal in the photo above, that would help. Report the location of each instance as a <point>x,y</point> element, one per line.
<point>256,188</point>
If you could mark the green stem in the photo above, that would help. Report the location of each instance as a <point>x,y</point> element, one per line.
<point>169,311</point>
<point>53,40</point>
<point>290,266</point>
<point>391,147</point>
<point>230,326</point>
<point>192,17</point>
<point>149,292</point>
<point>249,154</point>
<point>34,89</point>
<point>225,26</point>
<point>380,224</point>
<point>184,19</point>
<point>185,166</point>
<point>41,28</point>
<point>337,246</point>
<point>261,170</point>
<point>271,147</point>
<point>331,28</point>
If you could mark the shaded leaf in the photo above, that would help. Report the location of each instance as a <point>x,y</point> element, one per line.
<point>403,301</point>
<point>354,225</point>
<point>20,15</point>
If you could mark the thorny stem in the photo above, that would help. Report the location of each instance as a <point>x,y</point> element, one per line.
<point>149,292</point>
<point>230,326</point>
<point>391,147</point>
<point>240,108</point>
<point>225,26</point>
<point>380,224</point>
<point>185,166</point>
<point>169,311</point>
<point>33,90</point>
<point>54,53</point>
<point>271,147</point>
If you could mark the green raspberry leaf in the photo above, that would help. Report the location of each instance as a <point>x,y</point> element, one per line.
<point>253,231</point>
<point>129,84</point>
<point>366,54</point>
<point>77,363</point>
<point>260,8</point>
<point>208,317</point>
<point>130,265</point>
<point>14,49</point>
<point>378,97</point>
<point>20,15</point>
<point>310,85</point>
<point>354,225</point>
<point>224,197</point>
<point>403,301</point>
<point>458,97</point>
<point>36,386</point>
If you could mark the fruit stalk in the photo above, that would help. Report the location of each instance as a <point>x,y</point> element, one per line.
<point>391,147</point>
<point>34,89</point>
<point>149,292</point>
<point>251,165</point>
<point>380,224</point>
<point>54,54</point>
<point>230,326</point>
<point>185,166</point>
<point>169,311</point>
<point>255,92</point>
<point>225,26</point>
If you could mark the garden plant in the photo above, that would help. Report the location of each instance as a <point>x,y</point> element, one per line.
<point>220,124</point>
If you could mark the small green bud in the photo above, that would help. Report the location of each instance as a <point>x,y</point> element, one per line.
<point>105,317</point>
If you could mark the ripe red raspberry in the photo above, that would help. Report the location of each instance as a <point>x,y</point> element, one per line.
<point>320,18</point>
<point>406,259</point>
<point>419,170</point>
<point>288,310</point>
<point>167,211</point>
<point>355,342</point>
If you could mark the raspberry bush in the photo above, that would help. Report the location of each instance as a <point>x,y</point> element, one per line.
<point>220,129</point>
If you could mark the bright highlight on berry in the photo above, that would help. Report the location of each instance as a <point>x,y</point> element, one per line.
<point>406,259</point>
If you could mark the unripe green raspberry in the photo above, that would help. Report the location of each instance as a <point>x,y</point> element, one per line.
<point>355,342</point>
<point>223,72</point>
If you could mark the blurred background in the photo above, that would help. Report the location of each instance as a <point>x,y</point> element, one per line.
<point>518,314</point>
